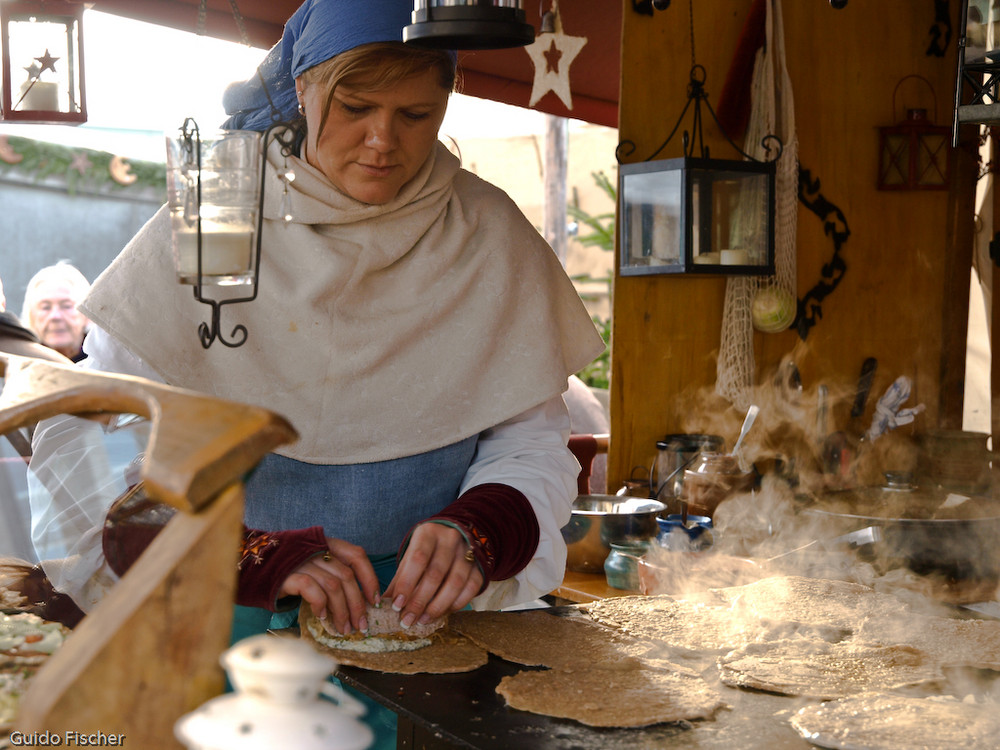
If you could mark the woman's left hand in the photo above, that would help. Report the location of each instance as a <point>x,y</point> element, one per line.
<point>435,577</point>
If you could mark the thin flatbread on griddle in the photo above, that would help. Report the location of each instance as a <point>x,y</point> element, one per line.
<point>538,638</point>
<point>879,721</point>
<point>447,653</point>
<point>628,697</point>
<point>819,601</point>
<point>821,670</point>
<point>697,624</point>
<point>973,643</point>
<point>772,609</point>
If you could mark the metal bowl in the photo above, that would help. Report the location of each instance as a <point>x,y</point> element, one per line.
<point>599,520</point>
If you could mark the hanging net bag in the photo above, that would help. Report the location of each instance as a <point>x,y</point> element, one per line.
<point>765,303</point>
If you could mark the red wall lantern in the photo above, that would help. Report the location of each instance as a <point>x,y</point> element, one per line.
<point>42,61</point>
<point>914,154</point>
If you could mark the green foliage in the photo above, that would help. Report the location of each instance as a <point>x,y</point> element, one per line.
<point>601,234</point>
<point>601,226</point>
<point>81,168</point>
<point>598,373</point>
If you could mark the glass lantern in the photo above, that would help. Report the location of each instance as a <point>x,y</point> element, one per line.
<point>914,154</point>
<point>697,216</point>
<point>42,62</point>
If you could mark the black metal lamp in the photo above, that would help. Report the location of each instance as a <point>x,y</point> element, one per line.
<point>696,214</point>
<point>468,24</point>
<point>42,61</point>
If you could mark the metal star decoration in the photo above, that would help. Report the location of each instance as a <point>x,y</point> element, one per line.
<point>552,54</point>
<point>48,62</point>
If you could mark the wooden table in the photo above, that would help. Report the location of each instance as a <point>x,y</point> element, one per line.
<point>583,588</point>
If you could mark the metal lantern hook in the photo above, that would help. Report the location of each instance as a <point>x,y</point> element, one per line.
<point>902,80</point>
<point>697,95</point>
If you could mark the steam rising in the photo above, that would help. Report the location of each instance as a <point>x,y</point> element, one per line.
<point>815,516</point>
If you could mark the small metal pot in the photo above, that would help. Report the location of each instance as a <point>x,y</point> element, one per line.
<point>599,520</point>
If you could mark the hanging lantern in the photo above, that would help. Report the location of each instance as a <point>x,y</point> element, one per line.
<point>914,154</point>
<point>468,24</point>
<point>696,214</point>
<point>42,44</point>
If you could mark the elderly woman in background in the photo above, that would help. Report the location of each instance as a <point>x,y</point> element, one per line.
<point>50,308</point>
<point>15,338</point>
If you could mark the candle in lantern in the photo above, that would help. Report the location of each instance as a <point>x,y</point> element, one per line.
<point>734,257</point>
<point>39,95</point>
<point>226,254</point>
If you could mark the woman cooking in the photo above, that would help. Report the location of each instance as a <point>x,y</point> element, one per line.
<point>410,322</point>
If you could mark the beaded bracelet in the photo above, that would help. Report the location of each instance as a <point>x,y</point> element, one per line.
<point>475,552</point>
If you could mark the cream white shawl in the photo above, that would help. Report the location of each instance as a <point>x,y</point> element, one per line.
<point>378,331</point>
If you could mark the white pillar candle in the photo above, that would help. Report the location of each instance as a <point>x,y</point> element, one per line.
<point>40,96</point>
<point>734,257</point>
<point>226,255</point>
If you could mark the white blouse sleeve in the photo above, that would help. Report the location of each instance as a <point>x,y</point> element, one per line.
<point>77,470</point>
<point>530,454</point>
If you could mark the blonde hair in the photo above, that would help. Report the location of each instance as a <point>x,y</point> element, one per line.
<point>378,66</point>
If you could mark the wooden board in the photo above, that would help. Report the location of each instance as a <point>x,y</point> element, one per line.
<point>199,444</point>
<point>149,652</point>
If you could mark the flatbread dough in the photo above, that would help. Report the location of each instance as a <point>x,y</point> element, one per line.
<point>772,609</point>
<point>878,721</point>
<point>596,676</point>
<point>818,601</point>
<point>705,622</point>
<point>700,623</point>
<point>538,638</point>
<point>448,653</point>
<point>973,643</point>
<point>817,669</point>
<point>630,697</point>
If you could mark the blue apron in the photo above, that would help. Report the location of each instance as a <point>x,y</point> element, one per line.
<point>373,505</point>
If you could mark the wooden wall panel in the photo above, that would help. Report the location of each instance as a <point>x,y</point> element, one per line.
<point>903,298</point>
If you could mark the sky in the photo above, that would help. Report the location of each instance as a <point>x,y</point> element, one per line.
<point>146,79</point>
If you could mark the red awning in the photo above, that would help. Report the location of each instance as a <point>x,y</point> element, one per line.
<point>501,75</point>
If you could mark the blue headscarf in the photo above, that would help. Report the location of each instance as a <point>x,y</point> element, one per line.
<point>317,31</point>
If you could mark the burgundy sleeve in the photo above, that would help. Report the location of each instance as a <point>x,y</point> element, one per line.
<point>501,525</point>
<point>269,557</point>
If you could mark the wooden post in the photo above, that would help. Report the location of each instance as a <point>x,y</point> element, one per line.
<point>554,173</point>
<point>958,266</point>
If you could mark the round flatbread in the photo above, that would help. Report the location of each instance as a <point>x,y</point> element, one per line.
<point>445,652</point>
<point>879,721</point>
<point>538,638</point>
<point>817,669</point>
<point>629,697</point>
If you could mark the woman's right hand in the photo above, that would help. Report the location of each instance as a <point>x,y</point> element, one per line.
<point>336,585</point>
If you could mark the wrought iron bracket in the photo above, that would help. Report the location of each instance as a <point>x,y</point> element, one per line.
<point>698,96</point>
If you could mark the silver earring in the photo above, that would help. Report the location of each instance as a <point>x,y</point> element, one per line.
<point>302,110</point>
